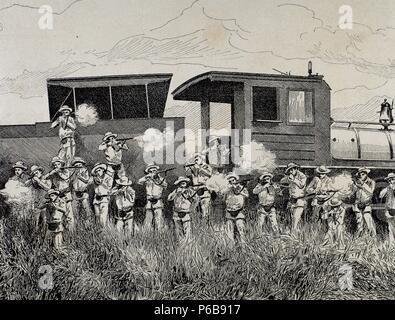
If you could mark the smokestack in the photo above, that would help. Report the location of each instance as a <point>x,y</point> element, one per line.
<point>310,68</point>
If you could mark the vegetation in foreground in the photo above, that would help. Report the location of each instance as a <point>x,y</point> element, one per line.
<point>102,264</point>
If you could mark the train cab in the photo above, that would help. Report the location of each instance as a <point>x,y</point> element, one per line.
<point>288,114</point>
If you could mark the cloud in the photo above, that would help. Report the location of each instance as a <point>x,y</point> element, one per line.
<point>92,37</point>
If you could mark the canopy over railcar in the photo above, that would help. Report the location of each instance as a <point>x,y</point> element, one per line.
<point>115,97</point>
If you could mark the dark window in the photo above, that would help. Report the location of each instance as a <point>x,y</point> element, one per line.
<point>129,102</point>
<point>264,103</point>
<point>99,97</point>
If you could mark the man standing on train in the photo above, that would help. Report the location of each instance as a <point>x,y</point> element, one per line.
<point>297,184</point>
<point>67,129</point>
<point>113,152</point>
<point>363,189</point>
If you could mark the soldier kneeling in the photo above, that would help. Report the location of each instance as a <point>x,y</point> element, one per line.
<point>183,198</point>
<point>56,219</point>
<point>335,218</point>
<point>124,198</point>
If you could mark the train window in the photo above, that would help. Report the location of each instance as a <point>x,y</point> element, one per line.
<point>264,104</point>
<point>300,107</point>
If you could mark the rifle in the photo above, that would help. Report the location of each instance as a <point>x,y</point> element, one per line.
<point>54,116</point>
<point>125,139</point>
<point>189,165</point>
<point>165,170</point>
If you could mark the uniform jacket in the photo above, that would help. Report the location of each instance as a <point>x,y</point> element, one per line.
<point>66,125</point>
<point>297,184</point>
<point>124,198</point>
<point>80,180</point>
<point>183,198</point>
<point>200,173</point>
<point>153,186</point>
<point>320,186</point>
<point>39,189</point>
<point>364,192</point>
<point>22,179</point>
<point>266,194</point>
<point>113,152</point>
<point>103,186</point>
<point>389,195</point>
<point>235,201</point>
<point>56,213</point>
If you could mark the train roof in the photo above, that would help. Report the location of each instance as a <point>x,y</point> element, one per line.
<point>113,80</point>
<point>191,90</point>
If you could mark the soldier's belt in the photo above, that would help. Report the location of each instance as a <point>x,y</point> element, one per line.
<point>80,194</point>
<point>52,226</point>
<point>153,201</point>
<point>267,207</point>
<point>235,213</point>
<point>116,167</point>
<point>65,140</point>
<point>125,212</point>
<point>201,191</point>
<point>363,205</point>
<point>182,214</point>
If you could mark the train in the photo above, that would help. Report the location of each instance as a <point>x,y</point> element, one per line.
<point>289,114</point>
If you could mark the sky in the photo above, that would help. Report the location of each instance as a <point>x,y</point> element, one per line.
<point>188,37</point>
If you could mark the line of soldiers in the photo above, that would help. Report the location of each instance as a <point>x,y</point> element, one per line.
<point>64,190</point>
<point>54,192</point>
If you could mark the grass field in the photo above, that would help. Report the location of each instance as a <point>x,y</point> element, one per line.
<point>102,264</point>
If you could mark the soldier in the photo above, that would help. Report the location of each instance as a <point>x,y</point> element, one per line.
<point>235,202</point>
<point>113,151</point>
<point>60,180</point>
<point>182,197</point>
<point>67,129</point>
<point>124,198</point>
<point>201,172</point>
<point>386,114</point>
<point>56,218</point>
<point>322,188</point>
<point>40,187</point>
<point>297,184</point>
<point>19,172</point>
<point>79,182</point>
<point>17,195</point>
<point>388,194</point>
<point>103,179</point>
<point>266,192</point>
<point>363,189</point>
<point>154,186</point>
<point>217,154</point>
<point>335,217</point>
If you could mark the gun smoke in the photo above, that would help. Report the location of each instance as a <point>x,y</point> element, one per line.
<point>86,115</point>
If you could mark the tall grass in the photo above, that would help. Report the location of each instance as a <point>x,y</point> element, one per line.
<point>103,264</point>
